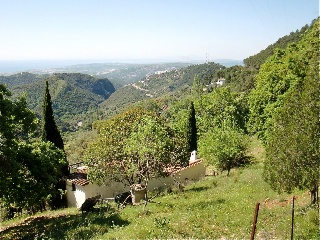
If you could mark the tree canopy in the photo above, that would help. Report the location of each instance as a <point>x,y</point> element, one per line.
<point>192,129</point>
<point>29,167</point>
<point>285,109</point>
<point>223,147</point>
<point>276,76</point>
<point>132,147</point>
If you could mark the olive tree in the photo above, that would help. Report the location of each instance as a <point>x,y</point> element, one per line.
<point>132,147</point>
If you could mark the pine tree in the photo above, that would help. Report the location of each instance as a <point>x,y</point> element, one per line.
<point>50,130</point>
<point>192,129</point>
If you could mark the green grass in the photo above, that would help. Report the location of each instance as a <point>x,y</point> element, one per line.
<point>217,207</point>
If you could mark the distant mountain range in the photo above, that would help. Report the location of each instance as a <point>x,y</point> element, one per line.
<point>78,96</point>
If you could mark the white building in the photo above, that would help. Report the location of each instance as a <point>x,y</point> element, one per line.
<point>79,188</point>
<point>220,81</point>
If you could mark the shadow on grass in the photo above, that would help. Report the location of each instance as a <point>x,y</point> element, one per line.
<point>196,189</point>
<point>72,226</point>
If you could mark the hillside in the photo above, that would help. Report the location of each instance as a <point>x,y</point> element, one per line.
<point>73,94</point>
<point>119,74</point>
<point>20,79</point>
<point>159,85</point>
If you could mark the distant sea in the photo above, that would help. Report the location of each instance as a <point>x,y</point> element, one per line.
<point>20,66</point>
<point>7,67</point>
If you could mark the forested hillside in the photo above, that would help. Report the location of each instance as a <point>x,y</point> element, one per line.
<point>73,94</point>
<point>168,83</point>
<point>119,74</point>
<point>165,89</point>
<point>20,79</point>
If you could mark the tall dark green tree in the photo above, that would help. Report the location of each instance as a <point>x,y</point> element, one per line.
<point>192,129</point>
<point>50,130</point>
<point>51,133</point>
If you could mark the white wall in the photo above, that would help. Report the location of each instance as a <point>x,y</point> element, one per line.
<point>76,198</point>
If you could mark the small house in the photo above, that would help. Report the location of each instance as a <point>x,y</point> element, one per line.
<point>79,188</point>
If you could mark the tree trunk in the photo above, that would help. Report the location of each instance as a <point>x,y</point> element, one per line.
<point>314,193</point>
<point>228,174</point>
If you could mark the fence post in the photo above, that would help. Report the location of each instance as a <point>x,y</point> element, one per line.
<point>255,221</point>
<point>292,218</point>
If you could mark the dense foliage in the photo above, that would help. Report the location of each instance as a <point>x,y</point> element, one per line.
<point>276,76</point>
<point>22,78</point>
<point>132,147</point>
<point>73,95</point>
<point>223,147</point>
<point>222,107</point>
<point>192,129</point>
<point>50,130</point>
<point>30,168</point>
<point>291,118</point>
<point>239,78</point>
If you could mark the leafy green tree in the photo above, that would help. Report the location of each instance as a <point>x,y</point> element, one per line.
<point>293,141</point>
<point>132,147</point>
<point>29,167</point>
<point>50,130</point>
<point>277,75</point>
<point>192,129</point>
<point>288,91</point>
<point>223,148</point>
<point>152,144</point>
<point>38,169</point>
<point>18,123</point>
<point>293,133</point>
<point>221,105</point>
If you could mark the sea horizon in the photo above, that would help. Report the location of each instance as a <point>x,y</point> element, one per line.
<point>16,66</point>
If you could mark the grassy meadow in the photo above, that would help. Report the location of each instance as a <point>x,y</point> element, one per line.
<point>217,207</point>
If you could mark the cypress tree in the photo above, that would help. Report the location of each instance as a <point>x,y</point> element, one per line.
<point>50,130</point>
<point>192,129</point>
<point>51,133</point>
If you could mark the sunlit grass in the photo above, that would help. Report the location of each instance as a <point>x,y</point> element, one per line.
<point>220,207</point>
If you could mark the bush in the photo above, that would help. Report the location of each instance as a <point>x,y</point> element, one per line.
<point>224,148</point>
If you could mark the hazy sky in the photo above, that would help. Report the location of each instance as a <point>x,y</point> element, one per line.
<point>146,29</point>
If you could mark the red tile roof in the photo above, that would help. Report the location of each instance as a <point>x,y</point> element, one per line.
<point>196,162</point>
<point>79,178</point>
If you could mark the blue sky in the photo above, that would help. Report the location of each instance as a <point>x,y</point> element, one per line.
<point>121,30</point>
